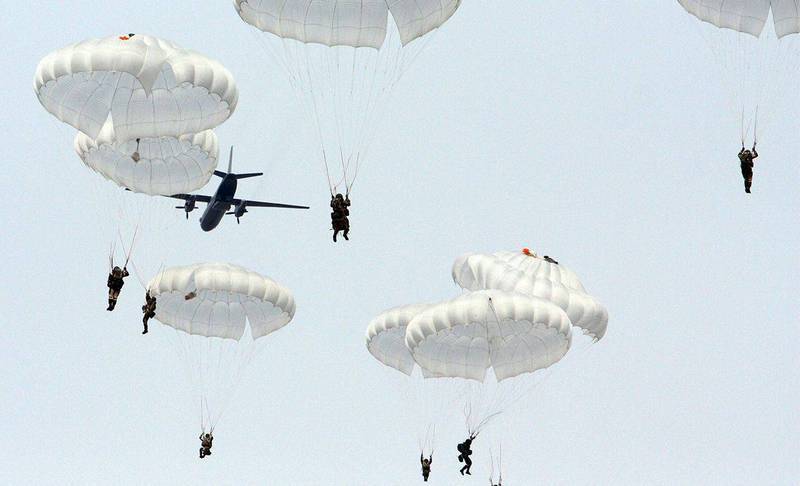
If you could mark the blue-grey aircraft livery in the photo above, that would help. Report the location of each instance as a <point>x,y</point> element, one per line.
<point>220,203</point>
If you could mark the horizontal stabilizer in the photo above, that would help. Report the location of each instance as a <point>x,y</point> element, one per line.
<point>245,176</point>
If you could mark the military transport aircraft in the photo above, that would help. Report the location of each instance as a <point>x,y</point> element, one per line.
<point>222,200</point>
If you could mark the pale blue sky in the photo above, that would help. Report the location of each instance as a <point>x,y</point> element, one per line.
<point>592,131</point>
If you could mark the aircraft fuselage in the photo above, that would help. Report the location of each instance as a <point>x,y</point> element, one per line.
<point>220,203</point>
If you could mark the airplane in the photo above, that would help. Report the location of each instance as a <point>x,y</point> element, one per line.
<point>222,200</point>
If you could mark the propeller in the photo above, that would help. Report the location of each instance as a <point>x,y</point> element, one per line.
<point>239,211</point>
<point>188,206</point>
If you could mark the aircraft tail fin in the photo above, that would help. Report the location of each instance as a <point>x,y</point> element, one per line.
<point>221,174</point>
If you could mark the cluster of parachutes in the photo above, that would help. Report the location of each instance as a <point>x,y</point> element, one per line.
<point>144,109</point>
<point>515,317</point>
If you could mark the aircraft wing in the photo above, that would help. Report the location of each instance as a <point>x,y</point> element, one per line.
<point>260,204</point>
<point>198,197</point>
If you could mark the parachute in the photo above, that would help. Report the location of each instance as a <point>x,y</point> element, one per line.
<point>483,347</point>
<point>221,313</point>
<point>144,109</point>
<point>343,59</point>
<point>386,337</point>
<point>755,57</point>
<point>139,85</point>
<point>509,333</point>
<point>525,273</point>
<point>162,166</point>
<point>747,16</point>
<point>426,402</point>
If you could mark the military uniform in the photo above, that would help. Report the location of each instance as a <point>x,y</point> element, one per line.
<point>339,215</point>
<point>746,162</point>
<point>115,283</point>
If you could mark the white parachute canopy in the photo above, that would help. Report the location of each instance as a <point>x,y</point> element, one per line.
<point>386,337</point>
<point>162,166</point>
<point>524,272</point>
<point>211,306</point>
<point>344,22</point>
<point>343,59</point>
<point>216,300</point>
<point>141,85</point>
<point>507,332</point>
<point>756,59</point>
<point>747,16</point>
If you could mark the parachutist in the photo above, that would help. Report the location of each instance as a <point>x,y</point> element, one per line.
<point>746,161</point>
<point>206,440</point>
<point>550,260</point>
<point>426,466</point>
<point>149,310</point>
<point>115,283</point>
<point>339,215</point>
<point>464,453</point>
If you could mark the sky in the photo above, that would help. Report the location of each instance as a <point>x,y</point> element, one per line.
<point>597,132</point>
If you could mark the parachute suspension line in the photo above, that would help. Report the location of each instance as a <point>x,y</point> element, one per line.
<point>401,63</point>
<point>386,64</point>
<point>312,107</point>
<point>241,356</point>
<point>498,399</point>
<point>133,243</point>
<point>755,128</point>
<point>360,133</point>
<point>185,360</point>
<point>275,53</point>
<point>208,413</point>
<point>432,438</point>
<point>499,465</point>
<point>329,63</point>
<point>111,255</point>
<point>202,418</point>
<point>427,442</point>
<point>483,423</point>
<point>515,391</point>
<point>468,416</point>
<point>128,254</point>
<point>491,467</point>
<point>742,128</point>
